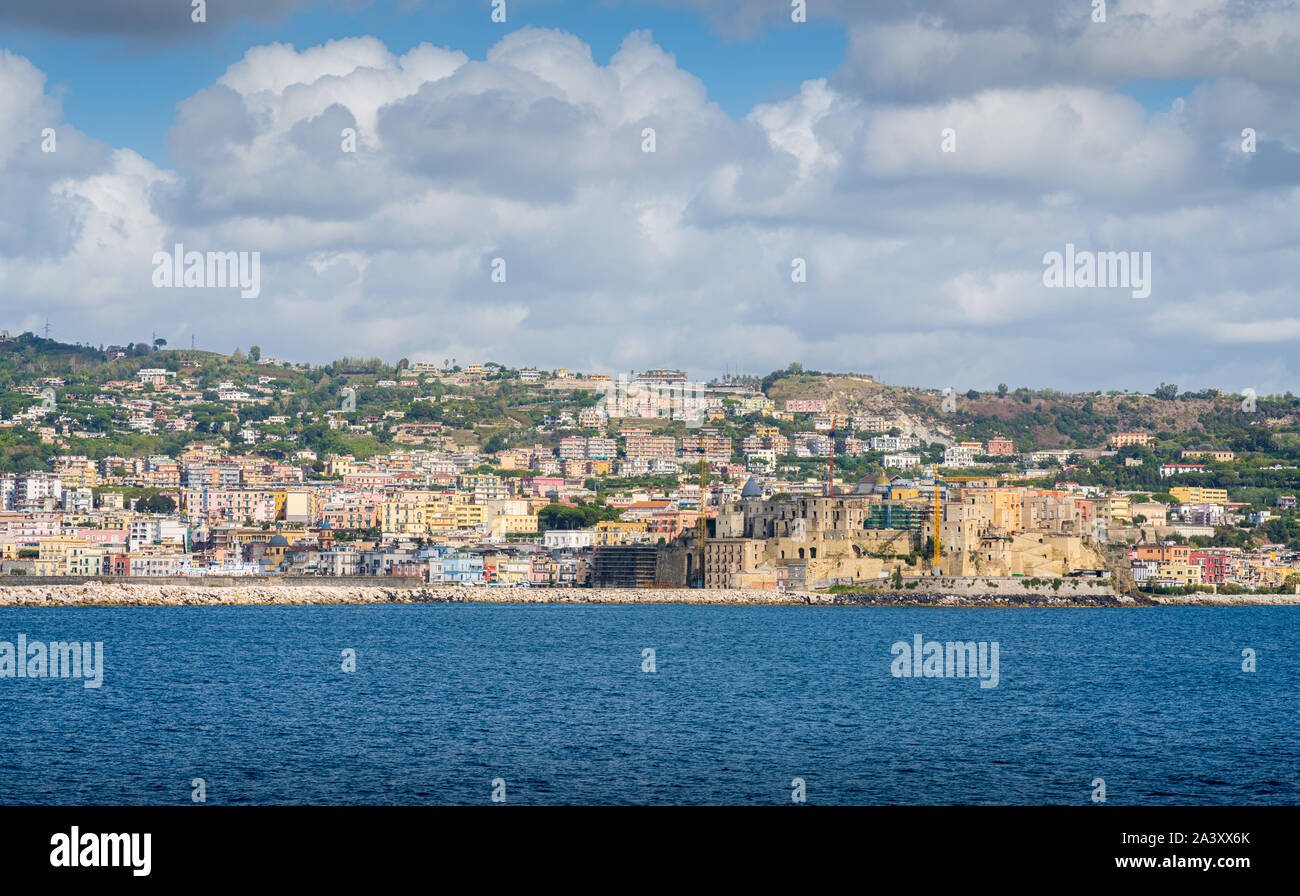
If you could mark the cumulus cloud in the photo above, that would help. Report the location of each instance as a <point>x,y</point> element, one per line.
<point>934,50</point>
<point>924,266</point>
<point>76,214</point>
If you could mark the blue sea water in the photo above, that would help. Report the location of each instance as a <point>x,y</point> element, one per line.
<point>553,700</point>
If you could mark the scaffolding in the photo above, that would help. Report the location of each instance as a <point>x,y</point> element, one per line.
<point>625,566</point>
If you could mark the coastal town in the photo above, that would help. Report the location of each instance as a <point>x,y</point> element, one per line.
<point>139,463</point>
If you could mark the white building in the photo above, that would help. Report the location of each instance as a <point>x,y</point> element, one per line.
<point>957,456</point>
<point>571,539</point>
<point>894,443</point>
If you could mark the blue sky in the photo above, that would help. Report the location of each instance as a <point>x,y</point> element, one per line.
<point>815,143</point>
<point>124,91</point>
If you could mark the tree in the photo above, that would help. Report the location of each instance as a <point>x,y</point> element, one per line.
<point>159,343</point>
<point>1002,390</point>
<point>1166,391</point>
<point>155,504</point>
<point>254,353</point>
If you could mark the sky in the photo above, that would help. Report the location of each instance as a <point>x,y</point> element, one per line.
<point>879,188</point>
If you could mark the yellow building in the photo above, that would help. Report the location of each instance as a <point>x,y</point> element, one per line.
<point>502,525</point>
<point>1179,571</point>
<point>1216,454</point>
<point>237,539</point>
<point>471,481</point>
<point>55,547</point>
<point>76,472</point>
<point>1114,508</point>
<point>298,507</point>
<point>513,570</point>
<point>85,561</point>
<point>616,532</point>
<point>1007,504</point>
<point>1124,439</point>
<point>405,513</point>
<point>339,464</point>
<point>510,517</point>
<point>468,515</point>
<point>1187,494</point>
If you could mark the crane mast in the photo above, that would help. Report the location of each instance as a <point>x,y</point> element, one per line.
<point>699,519</point>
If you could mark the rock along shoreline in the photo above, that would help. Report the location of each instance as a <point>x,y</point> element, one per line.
<point>175,595</point>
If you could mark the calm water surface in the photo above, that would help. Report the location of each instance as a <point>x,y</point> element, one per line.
<point>552,699</point>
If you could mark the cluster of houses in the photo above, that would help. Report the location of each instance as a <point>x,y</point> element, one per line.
<point>447,512</point>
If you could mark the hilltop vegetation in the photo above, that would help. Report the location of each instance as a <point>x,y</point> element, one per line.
<point>496,409</point>
<point>1047,419</point>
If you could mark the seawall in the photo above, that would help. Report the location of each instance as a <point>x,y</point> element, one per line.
<point>190,594</point>
<point>170,593</point>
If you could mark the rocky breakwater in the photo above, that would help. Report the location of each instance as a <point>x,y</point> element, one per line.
<point>176,595</point>
<point>183,594</point>
<point>1227,600</point>
<point>941,598</point>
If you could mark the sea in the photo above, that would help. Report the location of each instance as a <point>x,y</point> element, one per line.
<point>413,704</point>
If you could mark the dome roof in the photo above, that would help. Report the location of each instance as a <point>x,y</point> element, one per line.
<point>752,489</point>
<point>278,541</point>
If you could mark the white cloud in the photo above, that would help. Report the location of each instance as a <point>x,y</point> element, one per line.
<point>924,267</point>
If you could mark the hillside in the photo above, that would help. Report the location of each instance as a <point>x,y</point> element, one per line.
<point>1046,419</point>
<point>294,406</point>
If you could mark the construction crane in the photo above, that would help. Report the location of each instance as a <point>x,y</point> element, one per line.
<point>938,507</point>
<point>830,467</point>
<point>699,519</point>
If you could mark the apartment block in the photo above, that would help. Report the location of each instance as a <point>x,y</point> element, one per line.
<point>1187,494</point>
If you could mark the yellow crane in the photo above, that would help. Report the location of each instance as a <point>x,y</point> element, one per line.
<point>699,519</point>
<point>938,507</point>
